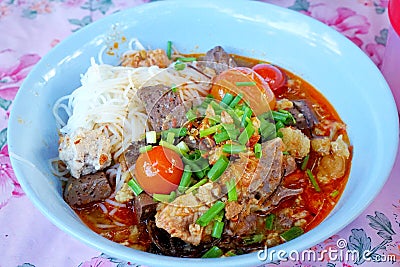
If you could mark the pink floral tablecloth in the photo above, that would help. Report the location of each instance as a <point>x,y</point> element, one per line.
<point>30,28</point>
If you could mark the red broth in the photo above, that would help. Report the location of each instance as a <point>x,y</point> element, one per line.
<point>310,208</point>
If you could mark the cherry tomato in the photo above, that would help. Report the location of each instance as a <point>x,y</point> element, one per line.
<point>159,170</point>
<point>259,96</point>
<point>271,74</point>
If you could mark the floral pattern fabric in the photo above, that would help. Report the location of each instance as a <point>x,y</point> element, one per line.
<point>30,28</point>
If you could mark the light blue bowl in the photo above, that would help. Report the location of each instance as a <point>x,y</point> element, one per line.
<point>320,55</point>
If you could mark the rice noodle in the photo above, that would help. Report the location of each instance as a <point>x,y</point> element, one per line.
<point>119,224</point>
<point>114,203</point>
<point>108,98</point>
<point>105,226</point>
<point>56,168</point>
<point>119,182</point>
<point>103,208</point>
<point>113,211</point>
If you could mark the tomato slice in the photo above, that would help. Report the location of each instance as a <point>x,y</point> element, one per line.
<point>159,170</point>
<point>271,74</point>
<point>256,93</point>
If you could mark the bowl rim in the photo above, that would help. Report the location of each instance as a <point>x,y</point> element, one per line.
<point>145,257</point>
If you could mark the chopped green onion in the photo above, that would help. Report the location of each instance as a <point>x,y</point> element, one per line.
<point>172,196</point>
<point>267,116</point>
<point>201,173</point>
<point>220,216</point>
<point>220,137</point>
<point>169,49</point>
<point>206,102</point>
<point>170,146</point>
<point>174,89</point>
<point>183,147</point>
<point>279,116</point>
<point>253,239</point>
<point>187,59</point>
<point>192,164</point>
<point>217,230</point>
<point>234,116</point>
<point>218,168</point>
<point>202,162</point>
<point>246,115</point>
<point>211,130</point>
<point>170,137</point>
<point>233,134</point>
<point>179,65</point>
<point>267,129</point>
<point>214,120</point>
<point>233,149</point>
<point>231,187</point>
<point>165,198</point>
<point>236,100</point>
<point>313,180</point>
<point>198,165</point>
<point>334,193</point>
<point>290,119</point>
<point>161,197</point>
<point>231,130</point>
<point>269,221</point>
<point>195,155</point>
<point>230,253</point>
<point>285,153</point>
<point>144,149</point>
<point>245,83</point>
<point>210,214</point>
<point>227,99</point>
<point>292,233</point>
<point>210,96</point>
<point>185,179</point>
<point>214,252</point>
<point>197,185</point>
<point>191,115</point>
<point>239,112</point>
<point>217,108</point>
<point>283,116</point>
<point>228,126</point>
<point>135,187</point>
<point>177,131</point>
<point>246,134</point>
<point>279,125</point>
<point>305,162</point>
<point>257,150</point>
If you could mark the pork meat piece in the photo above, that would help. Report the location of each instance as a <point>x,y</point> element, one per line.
<point>132,152</point>
<point>144,206</point>
<point>164,107</point>
<point>289,165</point>
<point>218,60</point>
<point>86,190</point>
<point>179,217</point>
<point>304,116</point>
<point>268,174</point>
<point>280,194</point>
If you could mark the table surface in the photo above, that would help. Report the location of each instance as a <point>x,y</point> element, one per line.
<point>30,28</point>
